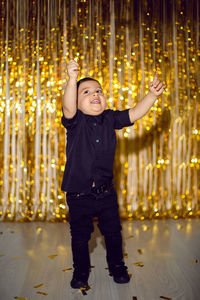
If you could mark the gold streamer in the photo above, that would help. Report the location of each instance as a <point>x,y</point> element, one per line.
<point>121,44</point>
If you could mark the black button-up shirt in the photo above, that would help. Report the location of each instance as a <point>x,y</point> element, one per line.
<point>90,148</point>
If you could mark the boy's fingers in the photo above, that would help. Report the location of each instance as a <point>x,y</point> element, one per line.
<point>73,66</point>
<point>155,74</point>
<point>73,62</point>
<point>159,86</point>
<point>162,89</point>
<point>155,77</point>
<point>156,83</point>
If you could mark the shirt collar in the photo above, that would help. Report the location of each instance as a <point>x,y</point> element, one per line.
<point>98,119</point>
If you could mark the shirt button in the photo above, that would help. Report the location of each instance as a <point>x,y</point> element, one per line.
<point>95,124</point>
<point>97,140</point>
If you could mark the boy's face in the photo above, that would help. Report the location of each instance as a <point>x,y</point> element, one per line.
<point>91,100</point>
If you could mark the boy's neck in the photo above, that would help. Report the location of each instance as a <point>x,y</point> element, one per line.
<point>94,115</point>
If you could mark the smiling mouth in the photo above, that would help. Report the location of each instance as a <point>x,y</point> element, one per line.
<point>95,101</point>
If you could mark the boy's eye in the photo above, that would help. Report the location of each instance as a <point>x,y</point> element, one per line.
<point>87,91</point>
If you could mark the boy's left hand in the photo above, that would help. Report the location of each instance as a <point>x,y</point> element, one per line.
<point>156,86</point>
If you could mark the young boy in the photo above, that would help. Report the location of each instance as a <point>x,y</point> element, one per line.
<point>88,175</point>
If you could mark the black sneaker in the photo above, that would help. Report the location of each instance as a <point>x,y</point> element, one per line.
<point>120,274</point>
<point>79,279</point>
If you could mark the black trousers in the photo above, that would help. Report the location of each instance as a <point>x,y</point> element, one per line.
<point>82,210</point>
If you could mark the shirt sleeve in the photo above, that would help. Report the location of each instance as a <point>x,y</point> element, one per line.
<point>121,119</point>
<point>70,123</point>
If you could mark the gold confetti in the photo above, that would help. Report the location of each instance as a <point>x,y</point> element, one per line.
<point>53,256</point>
<point>83,292</point>
<point>39,285</point>
<point>42,293</point>
<point>139,264</point>
<point>84,289</point>
<point>140,251</point>
<point>13,231</point>
<point>2,254</point>
<point>65,270</point>
<point>194,261</point>
<point>21,298</point>
<point>163,297</point>
<point>129,237</point>
<point>18,257</point>
<point>130,275</point>
<point>125,255</point>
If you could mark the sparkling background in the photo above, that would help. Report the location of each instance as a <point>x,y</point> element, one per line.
<point>121,44</point>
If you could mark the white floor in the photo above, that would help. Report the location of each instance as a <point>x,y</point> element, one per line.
<point>166,253</point>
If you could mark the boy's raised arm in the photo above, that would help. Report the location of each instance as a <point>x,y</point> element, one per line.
<point>70,94</point>
<point>156,88</point>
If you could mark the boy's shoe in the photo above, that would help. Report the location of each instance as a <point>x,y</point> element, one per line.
<point>79,279</point>
<point>120,274</point>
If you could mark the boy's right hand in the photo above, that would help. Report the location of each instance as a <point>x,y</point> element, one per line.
<point>73,69</point>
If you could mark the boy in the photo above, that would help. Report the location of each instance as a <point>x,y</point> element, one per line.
<point>88,175</point>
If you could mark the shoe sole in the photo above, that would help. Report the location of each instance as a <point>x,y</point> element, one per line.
<point>79,285</point>
<point>120,280</point>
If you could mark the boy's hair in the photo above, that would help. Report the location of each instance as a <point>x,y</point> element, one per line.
<point>85,79</point>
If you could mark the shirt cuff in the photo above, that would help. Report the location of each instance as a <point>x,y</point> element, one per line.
<point>122,119</point>
<point>69,122</point>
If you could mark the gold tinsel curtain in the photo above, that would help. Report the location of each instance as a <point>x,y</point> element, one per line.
<point>120,43</point>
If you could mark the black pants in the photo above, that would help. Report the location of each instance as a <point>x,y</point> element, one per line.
<point>82,209</point>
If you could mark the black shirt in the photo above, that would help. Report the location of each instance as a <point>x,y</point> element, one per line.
<point>90,148</point>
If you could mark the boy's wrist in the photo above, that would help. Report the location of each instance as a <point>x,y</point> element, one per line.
<point>72,81</point>
<point>152,95</point>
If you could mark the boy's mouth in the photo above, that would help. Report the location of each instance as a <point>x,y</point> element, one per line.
<point>95,101</point>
